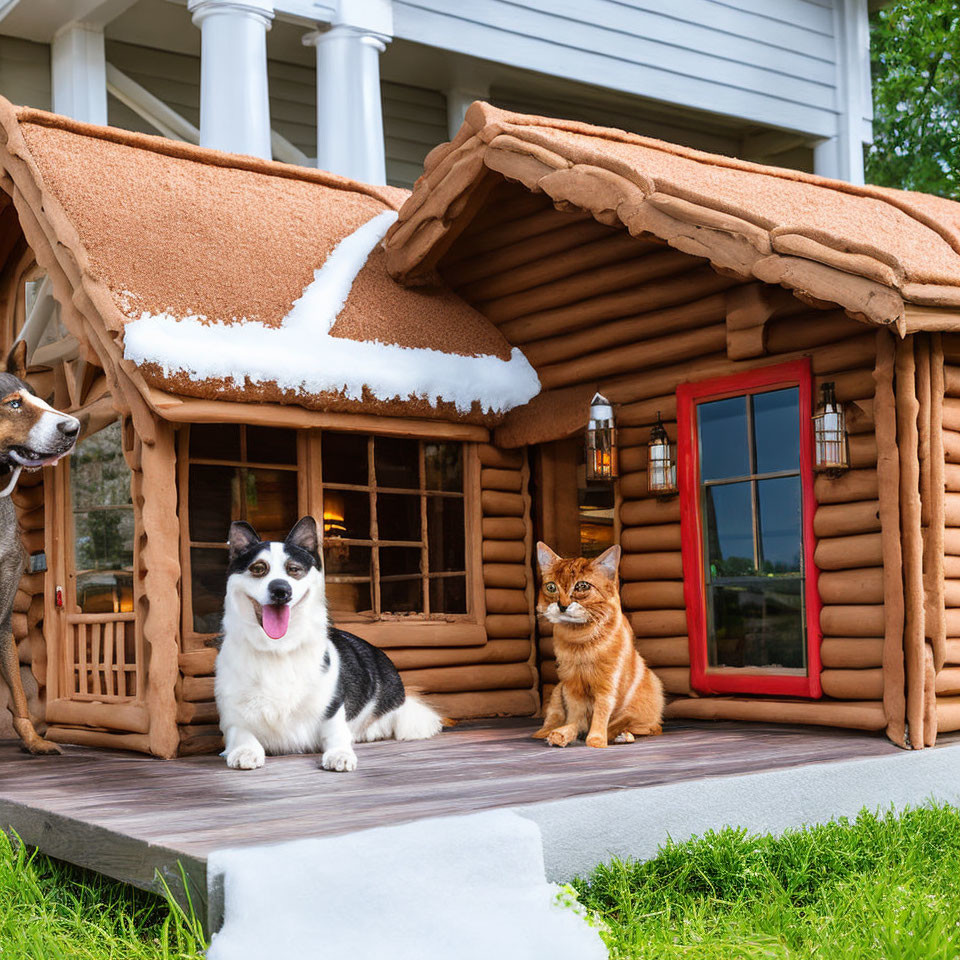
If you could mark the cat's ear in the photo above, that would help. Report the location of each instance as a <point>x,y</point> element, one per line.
<point>545,556</point>
<point>608,562</point>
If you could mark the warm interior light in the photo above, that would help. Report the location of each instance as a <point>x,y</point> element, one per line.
<point>661,470</point>
<point>333,515</point>
<point>601,441</point>
<point>830,434</point>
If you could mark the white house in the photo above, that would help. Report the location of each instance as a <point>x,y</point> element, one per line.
<point>367,87</point>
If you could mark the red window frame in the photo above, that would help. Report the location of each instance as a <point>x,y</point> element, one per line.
<point>796,373</point>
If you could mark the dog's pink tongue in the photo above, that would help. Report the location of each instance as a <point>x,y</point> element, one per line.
<point>275,620</point>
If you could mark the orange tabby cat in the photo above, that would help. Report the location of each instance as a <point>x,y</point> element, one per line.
<point>605,688</point>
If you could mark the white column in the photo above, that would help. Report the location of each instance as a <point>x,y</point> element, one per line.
<point>234,103</point>
<point>841,156</point>
<point>349,112</point>
<point>78,72</point>
<point>459,100</point>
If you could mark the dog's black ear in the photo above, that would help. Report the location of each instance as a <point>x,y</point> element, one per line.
<point>17,360</point>
<point>242,537</point>
<point>304,535</point>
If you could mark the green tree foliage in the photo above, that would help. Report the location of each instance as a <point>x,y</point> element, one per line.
<point>915,46</point>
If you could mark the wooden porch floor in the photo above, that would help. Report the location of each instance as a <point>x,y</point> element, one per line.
<point>127,815</point>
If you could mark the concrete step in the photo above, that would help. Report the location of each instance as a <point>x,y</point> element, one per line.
<point>470,888</point>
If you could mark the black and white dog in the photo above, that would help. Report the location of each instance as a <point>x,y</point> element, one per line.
<point>289,682</point>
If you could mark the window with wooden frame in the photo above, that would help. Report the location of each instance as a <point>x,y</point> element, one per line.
<point>100,658</point>
<point>230,472</point>
<point>394,527</point>
<point>745,451</point>
<point>394,520</point>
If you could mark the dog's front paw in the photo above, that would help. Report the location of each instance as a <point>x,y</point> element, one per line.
<point>340,759</point>
<point>246,757</point>
<point>597,740</point>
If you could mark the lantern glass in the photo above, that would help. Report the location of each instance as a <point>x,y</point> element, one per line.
<point>601,441</point>
<point>661,470</point>
<point>830,434</point>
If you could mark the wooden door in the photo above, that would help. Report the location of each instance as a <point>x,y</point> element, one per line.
<point>95,671</point>
<point>573,517</point>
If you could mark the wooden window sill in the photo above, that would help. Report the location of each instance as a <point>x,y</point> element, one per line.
<point>417,633</point>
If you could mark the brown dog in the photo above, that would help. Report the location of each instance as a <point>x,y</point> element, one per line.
<point>32,435</point>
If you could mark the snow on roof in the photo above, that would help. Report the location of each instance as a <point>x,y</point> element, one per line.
<point>301,355</point>
<point>232,278</point>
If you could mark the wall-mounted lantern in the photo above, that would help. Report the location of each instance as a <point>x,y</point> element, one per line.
<point>830,434</point>
<point>661,470</point>
<point>601,441</point>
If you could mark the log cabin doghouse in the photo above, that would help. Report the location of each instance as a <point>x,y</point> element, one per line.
<point>249,340</point>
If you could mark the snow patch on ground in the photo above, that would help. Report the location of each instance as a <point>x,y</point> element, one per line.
<point>300,355</point>
<point>469,888</point>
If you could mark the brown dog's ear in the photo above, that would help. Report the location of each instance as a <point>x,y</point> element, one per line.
<point>608,562</point>
<point>17,360</point>
<point>241,538</point>
<point>545,556</point>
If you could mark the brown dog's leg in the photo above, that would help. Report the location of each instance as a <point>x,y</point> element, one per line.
<point>10,667</point>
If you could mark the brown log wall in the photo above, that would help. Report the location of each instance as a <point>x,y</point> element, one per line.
<point>946,351</point>
<point>635,329</point>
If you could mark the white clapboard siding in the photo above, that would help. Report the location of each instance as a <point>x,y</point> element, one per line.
<point>764,61</point>
<point>414,118</point>
<point>414,122</point>
<point>679,128</point>
<point>25,72</point>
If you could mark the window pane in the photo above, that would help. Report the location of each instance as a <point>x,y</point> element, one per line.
<point>398,516</point>
<point>271,497</point>
<point>105,592</point>
<point>214,497</point>
<point>349,598</point>
<point>344,458</point>
<point>757,624</point>
<point>723,438</point>
<point>208,569</point>
<point>448,595</point>
<point>99,475</point>
<point>728,519</point>
<point>395,561</point>
<point>103,539</point>
<point>401,596</point>
<point>271,445</point>
<point>596,516</point>
<point>214,441</point>
<point>397,462</point>
<point>343,560</point>
<point>776,426</point>
<point>781,540</point>
<point>445,533</point>
<point>442,464</point>
<point>346,514</point>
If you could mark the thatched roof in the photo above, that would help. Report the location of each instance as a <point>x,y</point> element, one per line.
<point>879,253</point>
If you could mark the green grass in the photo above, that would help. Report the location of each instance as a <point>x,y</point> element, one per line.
<point>50,910</point>
<point>882,887</point>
